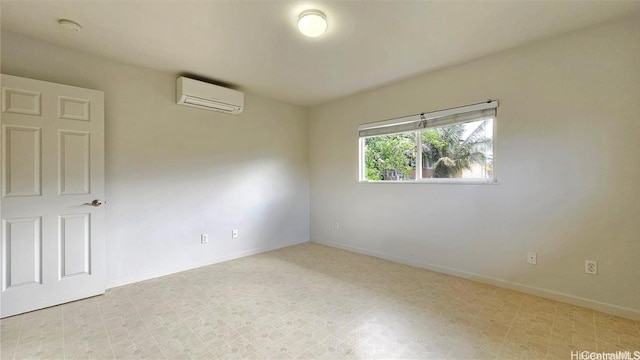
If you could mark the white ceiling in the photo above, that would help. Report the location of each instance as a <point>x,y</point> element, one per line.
<point>254,45</point>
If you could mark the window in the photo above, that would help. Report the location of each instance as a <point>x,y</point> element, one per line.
<point>453,145</point>
<point>391,157</point>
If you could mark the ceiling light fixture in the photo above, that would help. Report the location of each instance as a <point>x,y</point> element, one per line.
<point>312,23</point>
<point>69,25</point>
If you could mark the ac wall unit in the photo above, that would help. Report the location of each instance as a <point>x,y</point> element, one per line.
<point>208,96</point>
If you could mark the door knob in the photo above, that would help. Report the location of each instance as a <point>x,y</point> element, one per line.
<point>95,203</point>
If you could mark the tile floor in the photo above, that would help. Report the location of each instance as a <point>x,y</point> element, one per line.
<point>313,302</point>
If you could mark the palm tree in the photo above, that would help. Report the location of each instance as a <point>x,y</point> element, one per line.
<point>451,153</point>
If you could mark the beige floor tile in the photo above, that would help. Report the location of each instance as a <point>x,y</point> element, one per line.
<point>313,302</point>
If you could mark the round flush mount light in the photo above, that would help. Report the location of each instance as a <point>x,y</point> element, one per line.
<point>69,25</point>
<point>312,23</point>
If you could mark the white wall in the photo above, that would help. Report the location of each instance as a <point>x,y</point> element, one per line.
<point>175,172</point>
<point>567,156</point>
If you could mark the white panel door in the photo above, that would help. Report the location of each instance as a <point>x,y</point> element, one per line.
<point>52,185</point>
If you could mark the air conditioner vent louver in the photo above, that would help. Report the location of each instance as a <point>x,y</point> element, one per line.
<point>202,95</point>
<point>211,105</point>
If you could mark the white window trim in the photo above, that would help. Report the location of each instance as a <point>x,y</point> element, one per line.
<point>491,104</point>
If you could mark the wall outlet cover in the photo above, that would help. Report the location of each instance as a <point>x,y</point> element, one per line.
<point>591,267</point>
<point>532,258</point>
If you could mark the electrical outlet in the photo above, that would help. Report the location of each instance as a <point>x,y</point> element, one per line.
<point>336,226</point>
<point>591,267</point>
<point>234,233</point>
<point>204,238</point>
<point>532,258</point>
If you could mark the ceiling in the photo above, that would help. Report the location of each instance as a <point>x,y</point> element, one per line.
<point>255,46</point>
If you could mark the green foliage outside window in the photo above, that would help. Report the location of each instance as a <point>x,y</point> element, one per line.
<point>451,148</point>
<point>451,152</point>
<point>390,157</point>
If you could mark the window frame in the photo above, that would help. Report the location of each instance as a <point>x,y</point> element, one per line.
<point>419,155</point>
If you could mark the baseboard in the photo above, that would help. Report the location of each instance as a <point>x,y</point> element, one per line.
<point>185,267</point>
<point>549,294</point>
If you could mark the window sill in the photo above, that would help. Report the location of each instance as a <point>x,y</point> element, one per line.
<point>439,181</point>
